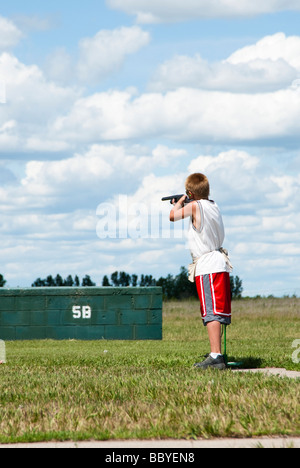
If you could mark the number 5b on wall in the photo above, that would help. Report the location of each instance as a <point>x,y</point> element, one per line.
<point>84,312</point>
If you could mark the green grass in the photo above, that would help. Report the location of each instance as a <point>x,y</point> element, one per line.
<point>52,390</point>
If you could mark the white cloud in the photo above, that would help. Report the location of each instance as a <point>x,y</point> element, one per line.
<point>184,115</point>
<point>28,23</point>
<point>258,75</point>
<point>40,258</point>
<point>272,63</point>
<point>234,180</point>
<point>29,93</point>
<point>194,100</point>
<point>32,102</point>
<point>155,11</point>
<point>75,174</point>
<point>52,118</point>
<point>56,196</point>
<point>288,188</point>
<point>274,48</point>
<point>104,53</point>
<point>10,35</point>
<point>98,57</point>
<point>59,66</point>
<point>94,175</point>
<point>240,179</point>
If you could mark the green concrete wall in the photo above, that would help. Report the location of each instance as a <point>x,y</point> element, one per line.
<point>81,313</point>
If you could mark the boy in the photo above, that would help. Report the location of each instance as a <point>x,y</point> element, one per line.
<point>211,266</point>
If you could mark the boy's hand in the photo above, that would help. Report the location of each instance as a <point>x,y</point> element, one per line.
<point>181,201</point>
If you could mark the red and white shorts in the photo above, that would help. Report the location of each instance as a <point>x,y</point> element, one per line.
<point>215,297</point>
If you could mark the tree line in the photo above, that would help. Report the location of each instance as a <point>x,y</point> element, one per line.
<point>173,287</point>
<point>58,281</point>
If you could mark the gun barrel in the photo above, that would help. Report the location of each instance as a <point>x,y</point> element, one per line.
<point>176,198</point>
<point>172,197</point>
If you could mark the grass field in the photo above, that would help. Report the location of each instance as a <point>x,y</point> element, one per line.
<point>146,389</point>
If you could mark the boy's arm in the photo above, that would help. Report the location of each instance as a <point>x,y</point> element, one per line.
<point>181,211</point>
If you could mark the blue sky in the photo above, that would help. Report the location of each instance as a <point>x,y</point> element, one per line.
<point>110,102</point>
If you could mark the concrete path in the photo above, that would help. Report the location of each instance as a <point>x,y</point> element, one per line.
<point>163,445</point>
<point>272,371</point>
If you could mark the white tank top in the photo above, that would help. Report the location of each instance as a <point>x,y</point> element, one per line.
<point>205,242</point>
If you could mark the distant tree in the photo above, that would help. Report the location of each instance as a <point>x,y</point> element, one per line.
<point>142,281</point>
<point>105,281</point>
<point>76,281</point>
<point>39,283</point>
<point>120,279</point>
<point>236,287</point>
<point>2,281</point>
<point>87,281</point>
<point>115,278</point>
<point>168,286</point>
<point>183,287</point>
<point>59,281</point>
<point>68,282</point>
<point>178,287</point>
<point>134,280</point>
<point>147,280</point>
<point>49,282</point>
<point>124,279</point>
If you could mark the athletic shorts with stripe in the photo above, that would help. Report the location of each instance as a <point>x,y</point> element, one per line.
<point>215,297</point>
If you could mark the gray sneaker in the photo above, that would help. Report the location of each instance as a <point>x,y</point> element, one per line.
<point>209,362</point>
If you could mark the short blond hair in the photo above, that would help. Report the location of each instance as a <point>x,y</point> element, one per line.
<point>198,184</point>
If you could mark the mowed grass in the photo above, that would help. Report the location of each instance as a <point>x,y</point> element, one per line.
<point>74,390</point>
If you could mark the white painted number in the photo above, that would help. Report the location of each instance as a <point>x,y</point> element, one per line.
<point>84,312</point>
<point>76,312</point>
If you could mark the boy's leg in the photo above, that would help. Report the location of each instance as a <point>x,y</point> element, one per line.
<point>215,358</point>
<point>214,335</point>
<point>215,304</point>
